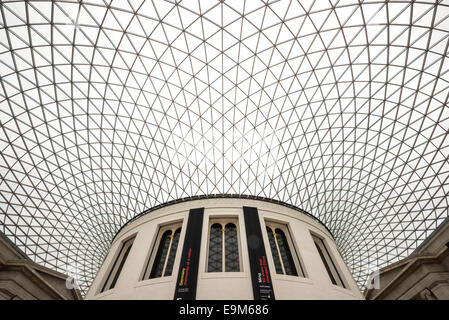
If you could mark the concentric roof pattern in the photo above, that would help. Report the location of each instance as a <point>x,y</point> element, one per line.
<point>108,108</point>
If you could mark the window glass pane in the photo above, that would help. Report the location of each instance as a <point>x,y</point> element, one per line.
<point>286,255</point>
<point>274,251</point>
<point>118,265</point>
<point>159,261</point>
<point>215,249</point>
<point>332,266</point>
<point>325,263</point>
<point>172,254</point>
<point>117,274</point>
<point>231,249</point>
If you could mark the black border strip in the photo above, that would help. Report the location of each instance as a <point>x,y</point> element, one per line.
<point>260,272</point>
<point>188,267</point>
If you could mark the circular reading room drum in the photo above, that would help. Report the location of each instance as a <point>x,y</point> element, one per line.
<point>224,247</point>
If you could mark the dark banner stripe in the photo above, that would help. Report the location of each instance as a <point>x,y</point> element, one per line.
<point>188,268</point>
<point>260,273</point>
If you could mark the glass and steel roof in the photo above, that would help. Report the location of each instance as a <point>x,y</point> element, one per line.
<point>108,108</point>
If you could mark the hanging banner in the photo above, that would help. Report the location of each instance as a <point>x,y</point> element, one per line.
<point>260,273</point>
<point>188,268</point>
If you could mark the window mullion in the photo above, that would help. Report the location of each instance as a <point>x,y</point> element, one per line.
<point>168,253</point>
<point>237,231</point>
<point>223,240</point>
<point>279,251</point>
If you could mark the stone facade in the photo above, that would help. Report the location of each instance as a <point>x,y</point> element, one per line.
<point>22,279</point>
<point>424,275</point>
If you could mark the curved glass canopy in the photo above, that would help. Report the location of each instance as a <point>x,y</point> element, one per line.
<point>108,108</point>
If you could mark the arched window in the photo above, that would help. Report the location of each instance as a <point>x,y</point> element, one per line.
<point>281,249</point>
<point>223,253</point>
<point>215,249</point>
<point>172,254</point>
<point>274,251</point>
<point>231,249</point>
<point>163,259</point>
<point>161,255</point>
<point>117,267</point>
<point>329,264</point>
<point>286,255</point>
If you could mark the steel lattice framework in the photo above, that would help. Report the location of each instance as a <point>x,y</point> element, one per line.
<point>108,108</point>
